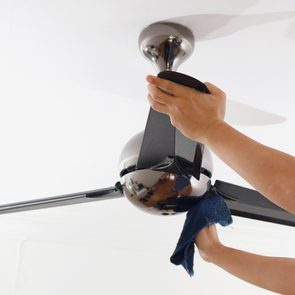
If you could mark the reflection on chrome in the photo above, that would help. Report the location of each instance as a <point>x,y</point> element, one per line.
<point>161,193</point>
<point>166,45</point>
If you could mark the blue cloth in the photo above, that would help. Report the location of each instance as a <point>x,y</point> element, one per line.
<point>209,209</point>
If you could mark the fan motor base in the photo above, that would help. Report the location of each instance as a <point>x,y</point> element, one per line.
<point>166,45</point>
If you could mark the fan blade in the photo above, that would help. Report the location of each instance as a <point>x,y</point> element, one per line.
<point>158,140</point>
<point>63,200</point>
<point>164,148</point>
<point>242,114</point>
<point>249,203</point>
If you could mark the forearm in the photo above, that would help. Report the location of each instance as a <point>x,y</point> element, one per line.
<point>269,171</point>
<point>276,274</point>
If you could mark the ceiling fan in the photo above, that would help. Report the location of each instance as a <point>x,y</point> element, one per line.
<point>161,171</point>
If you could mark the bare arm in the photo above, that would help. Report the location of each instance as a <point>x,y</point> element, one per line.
<point>276,274</point>
<point>200,116</point>
<point>269,171</point>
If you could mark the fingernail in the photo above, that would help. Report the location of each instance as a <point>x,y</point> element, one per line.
<point>150,78</point>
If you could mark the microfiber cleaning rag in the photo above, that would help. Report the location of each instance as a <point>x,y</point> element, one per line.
<point>209,209</point>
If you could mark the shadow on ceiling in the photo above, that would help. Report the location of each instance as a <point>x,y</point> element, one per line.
<point>212,26</point>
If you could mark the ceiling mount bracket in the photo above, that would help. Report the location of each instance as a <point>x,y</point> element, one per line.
<point>166,45</point>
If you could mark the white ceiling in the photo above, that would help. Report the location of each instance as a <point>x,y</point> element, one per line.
<point>72,92</point>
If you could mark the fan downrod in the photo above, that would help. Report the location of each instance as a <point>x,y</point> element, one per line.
<point>166,45</point>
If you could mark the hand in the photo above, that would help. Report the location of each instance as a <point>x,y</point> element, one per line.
<point>192,112</point>
<point>208,242</point>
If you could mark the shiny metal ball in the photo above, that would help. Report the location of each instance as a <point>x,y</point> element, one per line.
<point>156,192</point>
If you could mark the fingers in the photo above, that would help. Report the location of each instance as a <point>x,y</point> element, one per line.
<point>177,89</point>
<point>157,106</point>
<point>158,95</point>
<point>166,85</point>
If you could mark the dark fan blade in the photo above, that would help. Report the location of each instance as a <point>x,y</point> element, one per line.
<point>69,199</point>
<point>249,203</point>
<point>158,140</point>
<point>163,145</point>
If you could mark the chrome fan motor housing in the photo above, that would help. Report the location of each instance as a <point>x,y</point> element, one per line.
<point>158,192</point>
